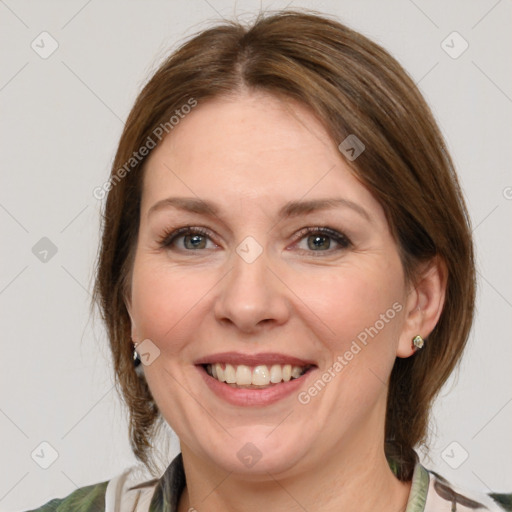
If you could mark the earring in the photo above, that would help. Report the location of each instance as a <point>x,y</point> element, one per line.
<point>136,358</point>
<point>417,342</point>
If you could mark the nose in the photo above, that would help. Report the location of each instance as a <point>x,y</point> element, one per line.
<point>252,297</point>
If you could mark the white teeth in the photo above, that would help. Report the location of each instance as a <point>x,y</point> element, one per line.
<point>276,375</point>
<point>220,372</point>
<point>243,375</point>
<point>230,374</point>
<point>287,372</point>
<point>296,371</point>
<point>260,376</point>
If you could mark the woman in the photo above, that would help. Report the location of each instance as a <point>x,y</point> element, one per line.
<point>287,252</point>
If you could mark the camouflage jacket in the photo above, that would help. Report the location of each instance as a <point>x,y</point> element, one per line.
<point>430,492</point>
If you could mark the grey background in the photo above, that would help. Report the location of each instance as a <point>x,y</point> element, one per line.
<point>61,120</point>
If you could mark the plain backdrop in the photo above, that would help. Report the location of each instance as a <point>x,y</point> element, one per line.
<point>61,118</point>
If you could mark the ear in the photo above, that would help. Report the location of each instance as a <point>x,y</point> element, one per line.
<point>424,305</point>
<point>128,305</point>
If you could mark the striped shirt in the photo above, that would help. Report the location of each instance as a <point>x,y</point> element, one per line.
<point>430,492</point>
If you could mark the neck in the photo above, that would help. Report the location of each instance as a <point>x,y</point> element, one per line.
<point>356,478</point>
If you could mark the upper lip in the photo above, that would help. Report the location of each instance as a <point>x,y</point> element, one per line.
<point>236,358</point>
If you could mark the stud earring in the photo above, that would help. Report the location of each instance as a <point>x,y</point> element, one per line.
<point>417,342</point>
<point>136,357</point>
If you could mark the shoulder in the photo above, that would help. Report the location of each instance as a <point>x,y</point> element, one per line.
<point>443,495</point>
<point>85,499</point>
<point>128,491</point>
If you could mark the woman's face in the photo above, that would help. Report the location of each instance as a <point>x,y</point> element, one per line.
<point>260,250</point>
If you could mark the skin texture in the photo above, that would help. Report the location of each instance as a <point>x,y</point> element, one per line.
<point>251,154</point>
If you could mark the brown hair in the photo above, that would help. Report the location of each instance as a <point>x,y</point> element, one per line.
<point>355,87</point>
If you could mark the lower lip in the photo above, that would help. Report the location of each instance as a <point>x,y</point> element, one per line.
<point>253,397</point>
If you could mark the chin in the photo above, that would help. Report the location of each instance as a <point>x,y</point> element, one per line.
<point>254,453</point>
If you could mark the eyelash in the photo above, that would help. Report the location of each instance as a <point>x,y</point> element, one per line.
<point>170,236</point>
<point>341,239</point>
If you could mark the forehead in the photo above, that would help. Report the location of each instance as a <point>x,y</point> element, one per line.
<point>249,148</point>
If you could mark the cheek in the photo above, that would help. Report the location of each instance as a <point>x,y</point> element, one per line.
<point>166,300</point>
<point>361,307</point>
<point>357,302</point>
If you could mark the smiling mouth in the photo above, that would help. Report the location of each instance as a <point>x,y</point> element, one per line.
<point>255,377</point>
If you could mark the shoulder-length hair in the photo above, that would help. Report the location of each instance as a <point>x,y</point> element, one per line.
<point>355,87</point>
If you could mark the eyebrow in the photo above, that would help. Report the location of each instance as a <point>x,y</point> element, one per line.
<point>295,208</point>
<point>188,204</point>
<point>290,209</point>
